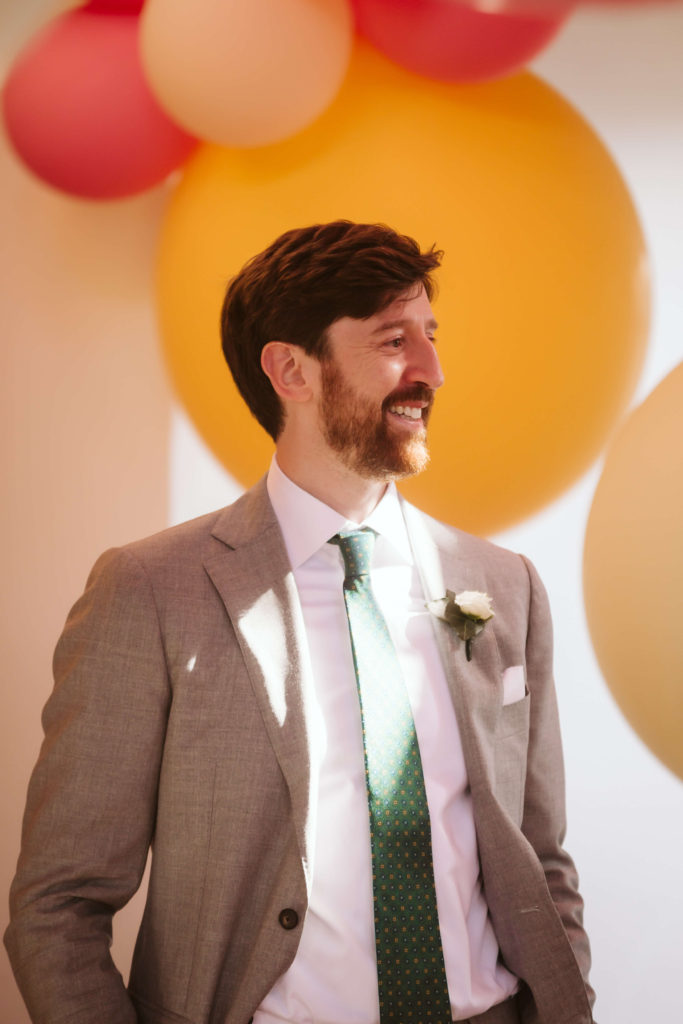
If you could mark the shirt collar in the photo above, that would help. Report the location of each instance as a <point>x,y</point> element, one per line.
<point>307,523</point>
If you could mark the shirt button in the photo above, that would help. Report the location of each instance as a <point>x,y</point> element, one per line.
<point>288,918</point>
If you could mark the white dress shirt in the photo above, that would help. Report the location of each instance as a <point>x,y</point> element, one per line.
<point>333,978</point>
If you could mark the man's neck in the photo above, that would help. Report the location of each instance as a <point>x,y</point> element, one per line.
<point>331,482</point>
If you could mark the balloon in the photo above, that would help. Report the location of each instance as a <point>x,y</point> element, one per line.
<point>535,7</point>
<point>553,7</point>
<point>543,299</point>
<point>114,6</point>
<point>633,570</point>
<point>629,3</point>
<point>80,114</point>
<point>451,42</point>
<point>246,72</point>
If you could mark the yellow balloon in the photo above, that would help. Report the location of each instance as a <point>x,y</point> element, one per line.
<point>245,72</point>
<point>633,570</point>
<point>543,302</point>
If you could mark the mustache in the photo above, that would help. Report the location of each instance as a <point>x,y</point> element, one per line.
<point>415,393</point>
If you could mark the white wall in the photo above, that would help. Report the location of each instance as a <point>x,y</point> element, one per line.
<point>624,72</point>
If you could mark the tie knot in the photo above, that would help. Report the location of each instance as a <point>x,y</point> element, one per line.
<point>356,548</point>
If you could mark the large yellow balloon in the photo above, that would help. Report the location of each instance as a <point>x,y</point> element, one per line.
<point>633,570</point>
<point>543,292</point>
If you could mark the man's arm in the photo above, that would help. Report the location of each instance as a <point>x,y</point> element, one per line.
<point>91,804</point>
<point>544,821</point>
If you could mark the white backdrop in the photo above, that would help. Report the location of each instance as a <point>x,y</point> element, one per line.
<point>623,70</point>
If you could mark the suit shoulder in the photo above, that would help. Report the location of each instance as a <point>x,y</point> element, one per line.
<point>199,538</point>
<point>164,555</point>
<point>191,535</point>
<point>479,548</point>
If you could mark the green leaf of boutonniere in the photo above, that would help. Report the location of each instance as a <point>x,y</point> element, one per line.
<point>467,613</point>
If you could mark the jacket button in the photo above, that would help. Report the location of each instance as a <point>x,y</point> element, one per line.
<point>288,918</point>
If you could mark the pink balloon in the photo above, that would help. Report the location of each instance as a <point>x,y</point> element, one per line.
<point>450,41</point>
<point>629,3</point>
<point>80,114</point>
<point>113,6</point>
<point>555,6</point>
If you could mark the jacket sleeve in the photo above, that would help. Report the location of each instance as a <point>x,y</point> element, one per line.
<point>90,810</point>
<point>544,820</point>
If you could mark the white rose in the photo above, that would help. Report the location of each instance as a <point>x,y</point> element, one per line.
<point>473,602</point>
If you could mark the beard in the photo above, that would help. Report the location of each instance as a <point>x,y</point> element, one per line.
<point>362,437</point>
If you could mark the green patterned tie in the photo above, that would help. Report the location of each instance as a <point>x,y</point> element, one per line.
<point>410,968</point>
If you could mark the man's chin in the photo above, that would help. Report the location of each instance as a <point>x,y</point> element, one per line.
<point>416,463</point>
<point>407,459</point>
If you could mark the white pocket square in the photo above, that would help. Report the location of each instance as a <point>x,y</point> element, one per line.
<point>514,684</point>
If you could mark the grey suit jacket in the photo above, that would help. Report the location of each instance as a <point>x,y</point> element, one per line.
<point>180,719</point>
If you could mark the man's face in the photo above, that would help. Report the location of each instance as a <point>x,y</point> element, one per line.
<point>377,388</point>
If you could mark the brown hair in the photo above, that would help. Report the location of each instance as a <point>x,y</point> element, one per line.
<point>301,284</point>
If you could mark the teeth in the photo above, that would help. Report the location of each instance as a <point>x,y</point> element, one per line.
<point>411,411</point>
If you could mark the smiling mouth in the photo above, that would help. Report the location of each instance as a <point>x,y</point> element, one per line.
<point>411,406</point>
<point>411,412</point>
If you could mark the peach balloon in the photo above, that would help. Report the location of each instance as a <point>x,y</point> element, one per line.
<point>633,570</point>
<point>245,72</point>
<point>543,293</point>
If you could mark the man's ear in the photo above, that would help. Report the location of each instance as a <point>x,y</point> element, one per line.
<point>288,368</point>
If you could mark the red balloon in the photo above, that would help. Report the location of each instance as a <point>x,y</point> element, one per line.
<point>452,42</point>
<point>80,114</point>
<point>113,6</point>
<point>555,6</point>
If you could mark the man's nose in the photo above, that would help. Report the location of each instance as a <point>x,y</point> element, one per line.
<point>425,367</point>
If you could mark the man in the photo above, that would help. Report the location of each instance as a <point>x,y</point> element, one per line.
<point>231,691</point>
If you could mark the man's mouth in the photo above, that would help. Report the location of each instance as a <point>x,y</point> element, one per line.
<point>412,412</point>
<point>411,408</point>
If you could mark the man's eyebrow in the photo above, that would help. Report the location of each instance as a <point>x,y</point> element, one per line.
<point>390,325</point>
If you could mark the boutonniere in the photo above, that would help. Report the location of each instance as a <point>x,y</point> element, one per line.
<point>467,613</point>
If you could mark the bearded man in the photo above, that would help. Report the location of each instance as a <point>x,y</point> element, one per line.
<point>355,805</point>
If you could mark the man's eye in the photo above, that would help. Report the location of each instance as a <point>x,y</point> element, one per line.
<point>395,342</point>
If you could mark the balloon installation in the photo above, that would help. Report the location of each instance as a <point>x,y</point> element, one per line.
<point>453,42</point>
<point>80,113</point>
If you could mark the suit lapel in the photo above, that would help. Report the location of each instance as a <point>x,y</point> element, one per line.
<point>475,686</point>
<point>253,578</point>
